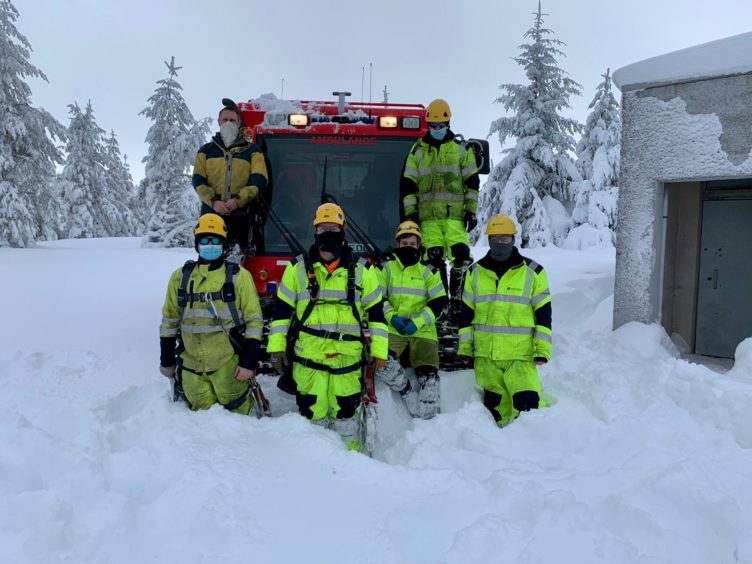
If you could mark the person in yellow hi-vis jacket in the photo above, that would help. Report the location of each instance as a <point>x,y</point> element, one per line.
<point>325,300</point>
<point>414,297</point>
<point>439,191</point>
<point>213,306</point>
<point>505,324</point>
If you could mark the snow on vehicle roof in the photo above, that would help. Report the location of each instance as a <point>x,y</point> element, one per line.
<point>723,57</point>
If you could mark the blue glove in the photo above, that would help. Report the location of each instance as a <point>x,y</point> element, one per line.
<point>409,328</point>
<point>398,322</point>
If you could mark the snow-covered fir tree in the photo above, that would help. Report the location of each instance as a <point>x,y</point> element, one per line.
<point>598,160</point>
<point>173,140</point>
<point>533,180</point>
<point>28,149</point>
<point>120,190</point>
<point>82,181</point>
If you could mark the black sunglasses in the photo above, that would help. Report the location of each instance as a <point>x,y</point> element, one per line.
<point>438,124</point>
<point>208,240</point>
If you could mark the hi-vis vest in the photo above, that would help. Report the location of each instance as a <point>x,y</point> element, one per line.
<point>330,326</point>
<point>503,327</point>
<point>440,174</point>
<point>202,306</point>
<point>407,291</point>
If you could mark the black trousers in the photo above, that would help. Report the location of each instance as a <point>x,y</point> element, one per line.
<point>238,226</point>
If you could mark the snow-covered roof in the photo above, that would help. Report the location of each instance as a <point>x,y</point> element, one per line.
<point>723,57</point>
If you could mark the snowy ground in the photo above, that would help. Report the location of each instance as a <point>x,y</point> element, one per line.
<point>644,458</point>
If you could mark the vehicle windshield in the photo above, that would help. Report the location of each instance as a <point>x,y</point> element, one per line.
<point>363,177</point>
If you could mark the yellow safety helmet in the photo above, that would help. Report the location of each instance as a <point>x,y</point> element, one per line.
<point>329,213</point>
<point>408,228</point>
<point>438,111</point>
<point>501,225</point>
<point>211,224</point>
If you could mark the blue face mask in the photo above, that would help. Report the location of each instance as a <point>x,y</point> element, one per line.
<point>438,134</point>
<point>210,252</point>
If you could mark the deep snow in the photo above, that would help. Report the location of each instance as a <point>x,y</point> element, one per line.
<point>644,458</point>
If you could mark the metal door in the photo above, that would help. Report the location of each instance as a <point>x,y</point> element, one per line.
<point>724,290</point>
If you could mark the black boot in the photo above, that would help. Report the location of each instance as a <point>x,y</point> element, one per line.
<point>456,284</point>
<point>428,394</point>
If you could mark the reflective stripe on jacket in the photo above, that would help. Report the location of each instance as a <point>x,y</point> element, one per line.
<point>206,346</point>
<point>332,311</point>
<point>440,174</point>
<point>407,291</point>
<point>220,173</point>
<point>504,322</point>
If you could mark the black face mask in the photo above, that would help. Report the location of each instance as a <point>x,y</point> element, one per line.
<point>330,242</point>
<point>408,256</point>
<point>501,251</point>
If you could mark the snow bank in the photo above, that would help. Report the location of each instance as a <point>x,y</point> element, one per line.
<point>586,236</point>
<point>643,457</point>
<point>723,57</point>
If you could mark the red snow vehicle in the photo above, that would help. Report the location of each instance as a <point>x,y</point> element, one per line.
<point>351,151</point>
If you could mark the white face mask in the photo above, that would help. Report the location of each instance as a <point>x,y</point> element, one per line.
<point>229,132</point>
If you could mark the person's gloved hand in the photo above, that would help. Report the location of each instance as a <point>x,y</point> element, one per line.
<point>243,374</point>
<point>466,361</point>
<point>409,328</point>
<point>412,217</point>
<point>398,322</point>
<point>219,207</point>
<point>167,371</point>
<point>279,361</point>
<point>470,221</point>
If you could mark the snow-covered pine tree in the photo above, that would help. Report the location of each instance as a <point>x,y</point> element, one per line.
<point>173,140</point>
<point>598,160</point>
<point>120,192</point>
<point>538,169</point>
<point>82,180</point>
<point>28,150</point>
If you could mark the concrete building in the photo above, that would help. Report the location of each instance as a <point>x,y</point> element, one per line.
<point>684,235</point>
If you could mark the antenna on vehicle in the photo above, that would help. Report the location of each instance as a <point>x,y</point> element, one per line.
<point>386,95</point>
<point>370,89</point>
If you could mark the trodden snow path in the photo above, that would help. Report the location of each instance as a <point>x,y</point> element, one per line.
<point>644,458</point>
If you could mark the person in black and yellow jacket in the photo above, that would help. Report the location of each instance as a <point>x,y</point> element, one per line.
<point>439,191</point>
<point>505,324</point>
<point>414,297</point>
<point>325,300</point>
<point>228,174</point>
<point>212,310</point>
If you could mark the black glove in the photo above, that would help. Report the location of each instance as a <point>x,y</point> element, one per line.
<point>412,217</point>
<point>279,361</point>
<point>470,221</point>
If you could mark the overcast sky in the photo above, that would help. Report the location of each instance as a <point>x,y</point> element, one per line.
<point>113,52</point>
